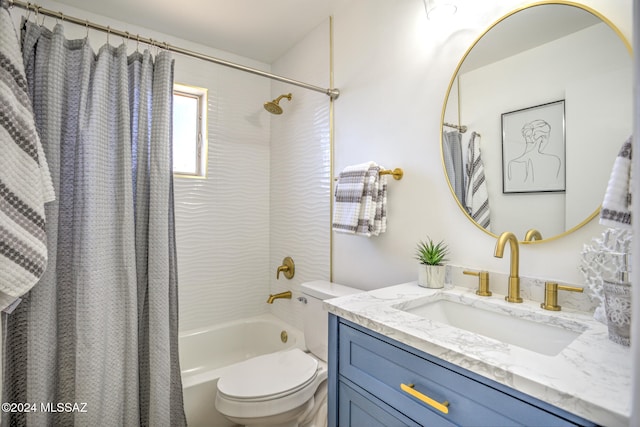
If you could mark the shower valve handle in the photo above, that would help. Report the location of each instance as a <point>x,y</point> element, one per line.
<point>287,268</point>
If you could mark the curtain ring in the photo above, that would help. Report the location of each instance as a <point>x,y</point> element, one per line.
<point>108,33</point>
<point>138,43</point>
<point>86,25</point>
<point>28,11</point>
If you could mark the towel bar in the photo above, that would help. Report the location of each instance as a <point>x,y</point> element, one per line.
<point>397,173</point>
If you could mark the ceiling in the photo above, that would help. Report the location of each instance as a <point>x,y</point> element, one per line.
<point>257,29</point>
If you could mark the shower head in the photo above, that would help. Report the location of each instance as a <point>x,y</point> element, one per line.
<point>273,106</point>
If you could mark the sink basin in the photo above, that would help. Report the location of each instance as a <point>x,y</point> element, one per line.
<point>534,335</point>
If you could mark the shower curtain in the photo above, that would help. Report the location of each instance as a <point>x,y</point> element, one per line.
<point>98,333</point>
<point>452,150</point>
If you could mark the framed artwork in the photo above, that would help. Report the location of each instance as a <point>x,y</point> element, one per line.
<point>533,149</point>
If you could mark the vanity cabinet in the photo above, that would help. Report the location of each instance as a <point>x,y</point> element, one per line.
<point>377,381</point>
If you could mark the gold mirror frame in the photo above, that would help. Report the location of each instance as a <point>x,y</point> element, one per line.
<point>453,79</point>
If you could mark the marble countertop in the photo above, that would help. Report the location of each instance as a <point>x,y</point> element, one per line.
<point>591,377</point>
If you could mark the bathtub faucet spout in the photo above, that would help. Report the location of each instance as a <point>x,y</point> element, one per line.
<point>273,297</point>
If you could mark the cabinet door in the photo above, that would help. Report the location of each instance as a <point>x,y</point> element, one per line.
<point>358,411</point>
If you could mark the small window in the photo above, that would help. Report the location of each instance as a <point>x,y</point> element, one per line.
<point>189,131</point>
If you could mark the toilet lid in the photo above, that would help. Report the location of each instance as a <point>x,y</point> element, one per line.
<point>268,376</point>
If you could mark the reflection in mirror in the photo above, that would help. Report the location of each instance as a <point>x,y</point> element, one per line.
<point>545,55</point>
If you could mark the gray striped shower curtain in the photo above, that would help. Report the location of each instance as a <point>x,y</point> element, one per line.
<point>98,333</point>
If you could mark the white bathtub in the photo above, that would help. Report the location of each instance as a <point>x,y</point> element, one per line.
<point>206,353</point>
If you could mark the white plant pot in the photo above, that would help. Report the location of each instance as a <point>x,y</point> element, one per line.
<point>431,276</point>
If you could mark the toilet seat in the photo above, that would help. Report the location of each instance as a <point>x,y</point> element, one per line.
<point>269,376</point>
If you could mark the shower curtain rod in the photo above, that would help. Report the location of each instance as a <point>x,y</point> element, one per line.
<point>461,128</point>
<point>332,92</point>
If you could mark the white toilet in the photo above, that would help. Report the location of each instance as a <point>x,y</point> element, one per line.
<point>288,388</point>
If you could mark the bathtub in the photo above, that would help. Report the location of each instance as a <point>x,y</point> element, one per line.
<point>206,353</point>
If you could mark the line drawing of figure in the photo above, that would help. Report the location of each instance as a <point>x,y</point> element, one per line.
<point>534,164</point>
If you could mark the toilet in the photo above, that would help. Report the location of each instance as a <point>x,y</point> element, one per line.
<point>286,388</point>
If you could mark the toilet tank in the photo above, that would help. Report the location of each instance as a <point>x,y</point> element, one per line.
<point>315,318</point>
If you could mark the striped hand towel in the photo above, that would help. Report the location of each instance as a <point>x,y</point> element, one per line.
<point>477,198</point>
<point>25,182</point>
<point>380,218</point>
<point>360,198</point>
<point>616,206</point>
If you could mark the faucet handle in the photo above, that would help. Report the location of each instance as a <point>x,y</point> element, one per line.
<point>288,268</point>
<point>551,295</point>
<point>483,282</point>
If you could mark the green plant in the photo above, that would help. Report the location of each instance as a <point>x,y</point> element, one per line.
<point>430,253</point>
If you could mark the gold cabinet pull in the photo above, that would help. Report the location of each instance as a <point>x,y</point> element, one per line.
<point>410,389</point>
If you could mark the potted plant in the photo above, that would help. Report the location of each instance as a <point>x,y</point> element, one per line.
<point>431,256</point>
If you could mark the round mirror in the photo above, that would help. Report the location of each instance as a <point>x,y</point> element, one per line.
<point>544,99</point>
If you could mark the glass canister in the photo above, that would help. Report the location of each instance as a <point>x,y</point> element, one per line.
<point>617,294</point>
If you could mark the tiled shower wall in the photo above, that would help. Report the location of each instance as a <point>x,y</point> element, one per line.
<point>222,222</point>
<point>267,191</point>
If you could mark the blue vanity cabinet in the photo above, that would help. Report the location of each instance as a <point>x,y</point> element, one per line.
<point>377,381</point>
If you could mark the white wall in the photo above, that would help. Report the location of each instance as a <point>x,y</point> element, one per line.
<point>393,68</point>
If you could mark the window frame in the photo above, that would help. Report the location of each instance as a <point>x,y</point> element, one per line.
<point>202,142</point>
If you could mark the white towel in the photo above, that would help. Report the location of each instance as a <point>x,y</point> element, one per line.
<point>25,183</point>
<point>616,206</point>
<point>477,197</point>
<point>360,201</point>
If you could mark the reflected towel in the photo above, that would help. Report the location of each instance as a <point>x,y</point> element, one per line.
<point>360,201</point>
<point>25,183</point>
<point>477,198</point>
<point>616,206</point>
<point>453,163</point>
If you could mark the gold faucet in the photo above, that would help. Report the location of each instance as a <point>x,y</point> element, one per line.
<point>273,297</point>
<point>514,278</point>
<point>532,234</point>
